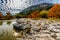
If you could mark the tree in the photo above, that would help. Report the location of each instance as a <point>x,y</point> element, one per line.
<point>8,16</point>
<point>44,13</point>
<point>54,11</point>
<point>1,16</point>
<point>18,16</point>
<point>34,14</point>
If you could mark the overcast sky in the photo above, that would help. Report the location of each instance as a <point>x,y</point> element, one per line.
<point>18,5</point>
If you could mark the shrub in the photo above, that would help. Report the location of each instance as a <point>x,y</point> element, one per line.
<point>8,22</point>
<point>44,14</point>
<point>18,16</point>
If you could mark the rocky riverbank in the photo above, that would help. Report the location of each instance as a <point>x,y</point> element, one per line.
<point>41,29</point>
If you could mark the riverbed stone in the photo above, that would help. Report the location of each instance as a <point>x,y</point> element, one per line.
<point>42,29</point>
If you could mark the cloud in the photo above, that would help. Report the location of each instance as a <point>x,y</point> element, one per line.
<point>12,5</point>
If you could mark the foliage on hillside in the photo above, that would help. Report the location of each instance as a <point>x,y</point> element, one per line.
<point>34,14</point>
<point>38,14</point>
<point>54,11</point>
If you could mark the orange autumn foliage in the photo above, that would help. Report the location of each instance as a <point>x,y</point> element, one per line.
<point>1,16</point>
<point>54,11</point>
<point>34,14</point>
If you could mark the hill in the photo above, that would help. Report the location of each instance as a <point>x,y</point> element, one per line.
<point>42,6</point>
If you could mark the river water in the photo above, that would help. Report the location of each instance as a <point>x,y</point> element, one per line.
<point>6,26</point>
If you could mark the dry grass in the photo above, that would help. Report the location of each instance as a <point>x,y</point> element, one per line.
<point>8,22</point>
<point>6,35</point>
<point>1,22</point>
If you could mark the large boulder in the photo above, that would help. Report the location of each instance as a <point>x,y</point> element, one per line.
<point>17,26</point>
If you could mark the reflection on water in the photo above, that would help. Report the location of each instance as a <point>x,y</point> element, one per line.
<point>6,30</point>
<point>5,26</point>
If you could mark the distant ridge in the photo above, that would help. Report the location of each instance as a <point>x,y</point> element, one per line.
<point>41,6</point>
